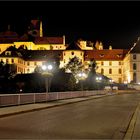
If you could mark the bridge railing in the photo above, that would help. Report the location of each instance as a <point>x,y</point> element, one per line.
<point>26,98</point>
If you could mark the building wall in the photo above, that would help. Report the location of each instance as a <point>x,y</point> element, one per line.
<point>125,65</point>
<point>68,54</point>
<point>29,45</point>
<point>83,46</point>
<point>49,47</point>
<point>111,69</point>
<point>3,47</point>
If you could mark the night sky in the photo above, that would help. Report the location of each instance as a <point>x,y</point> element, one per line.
<point>113,23</point>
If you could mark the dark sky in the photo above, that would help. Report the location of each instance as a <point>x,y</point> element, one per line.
<point>114,23</point>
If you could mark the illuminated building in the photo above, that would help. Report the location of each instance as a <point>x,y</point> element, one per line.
<point>33,49</point>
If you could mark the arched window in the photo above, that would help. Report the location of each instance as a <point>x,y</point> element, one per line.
<point>120,71</point>
<point>134,56</point>
<point>102,71</point>
<point>102,63</point>
<point>134,66</point>
<point>72,53</point>
<point>110,71</point>
<point>134,77</point>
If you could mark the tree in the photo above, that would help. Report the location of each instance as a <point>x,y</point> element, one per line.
<point>62,81</point>
<point>7,71</point>
<point>91,79</point>
<point>74,66</point>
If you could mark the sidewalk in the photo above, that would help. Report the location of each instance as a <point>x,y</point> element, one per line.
<point>12,110</point>
<point>133,131</point>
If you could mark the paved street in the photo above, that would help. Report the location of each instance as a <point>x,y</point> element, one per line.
<point>102,118</point>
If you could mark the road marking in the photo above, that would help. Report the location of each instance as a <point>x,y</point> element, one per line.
<point>130,130</point>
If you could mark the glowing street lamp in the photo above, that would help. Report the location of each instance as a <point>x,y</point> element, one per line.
<point>44,67</point>
<point>47,72</point>
<point>50,67</point>
<point>98,80</point>
<point>82,76</point>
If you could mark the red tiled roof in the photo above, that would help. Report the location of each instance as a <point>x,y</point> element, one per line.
<point>8,34</point>
<point>49,40</point>
<point>114,54</point>
<point>42,55</point>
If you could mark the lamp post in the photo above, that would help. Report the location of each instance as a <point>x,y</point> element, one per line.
<point>98,80</point>
<point>111,83</point>
<point>47,72</point>
<point>81,77</point>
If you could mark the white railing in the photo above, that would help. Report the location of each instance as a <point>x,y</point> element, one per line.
<point>26,98</point>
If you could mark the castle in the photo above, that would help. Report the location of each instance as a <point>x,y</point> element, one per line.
<point>121,65</point>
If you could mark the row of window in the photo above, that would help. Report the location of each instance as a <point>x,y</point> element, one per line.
<point>8,60</point>
<point>110,71</point>
<point>72,53</point>
<point>21,70</point>
<point>19,61</point>
<point>51,47</point>
<point>110,63</point>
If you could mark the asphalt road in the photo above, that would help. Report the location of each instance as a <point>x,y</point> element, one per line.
<point>102,118</point>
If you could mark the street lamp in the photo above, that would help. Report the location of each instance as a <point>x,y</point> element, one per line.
<point>111,83</point>
<point>98,80</point>
<point>81,77</point>
<point>46,72</point>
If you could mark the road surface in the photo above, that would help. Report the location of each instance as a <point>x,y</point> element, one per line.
<point>102,118</point>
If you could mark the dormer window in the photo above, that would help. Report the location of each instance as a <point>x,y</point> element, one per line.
<point>7,53</point>
<point>102,55</point>
<point>72,53</point>
<point>119,55</point>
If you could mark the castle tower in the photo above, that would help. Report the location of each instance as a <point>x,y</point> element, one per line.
<point>41,29</point>
<point>35,28</point>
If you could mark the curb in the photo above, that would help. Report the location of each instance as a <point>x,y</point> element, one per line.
<point>131,126</point>
<point>47,107</point>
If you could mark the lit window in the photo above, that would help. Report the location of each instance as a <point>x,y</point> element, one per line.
<point>134,66</point>
<point>28,63</point>
<point>102,63</point>
<point>120,71</point>
<point>119,62</point>
<point>102,71</point>
<point>35,63</point>
<point>120,80</point>
<point>110,71</point>
<point>7,61</point>
<point>12,60</point>
<point>134,56</point>
<point>110,63</point>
